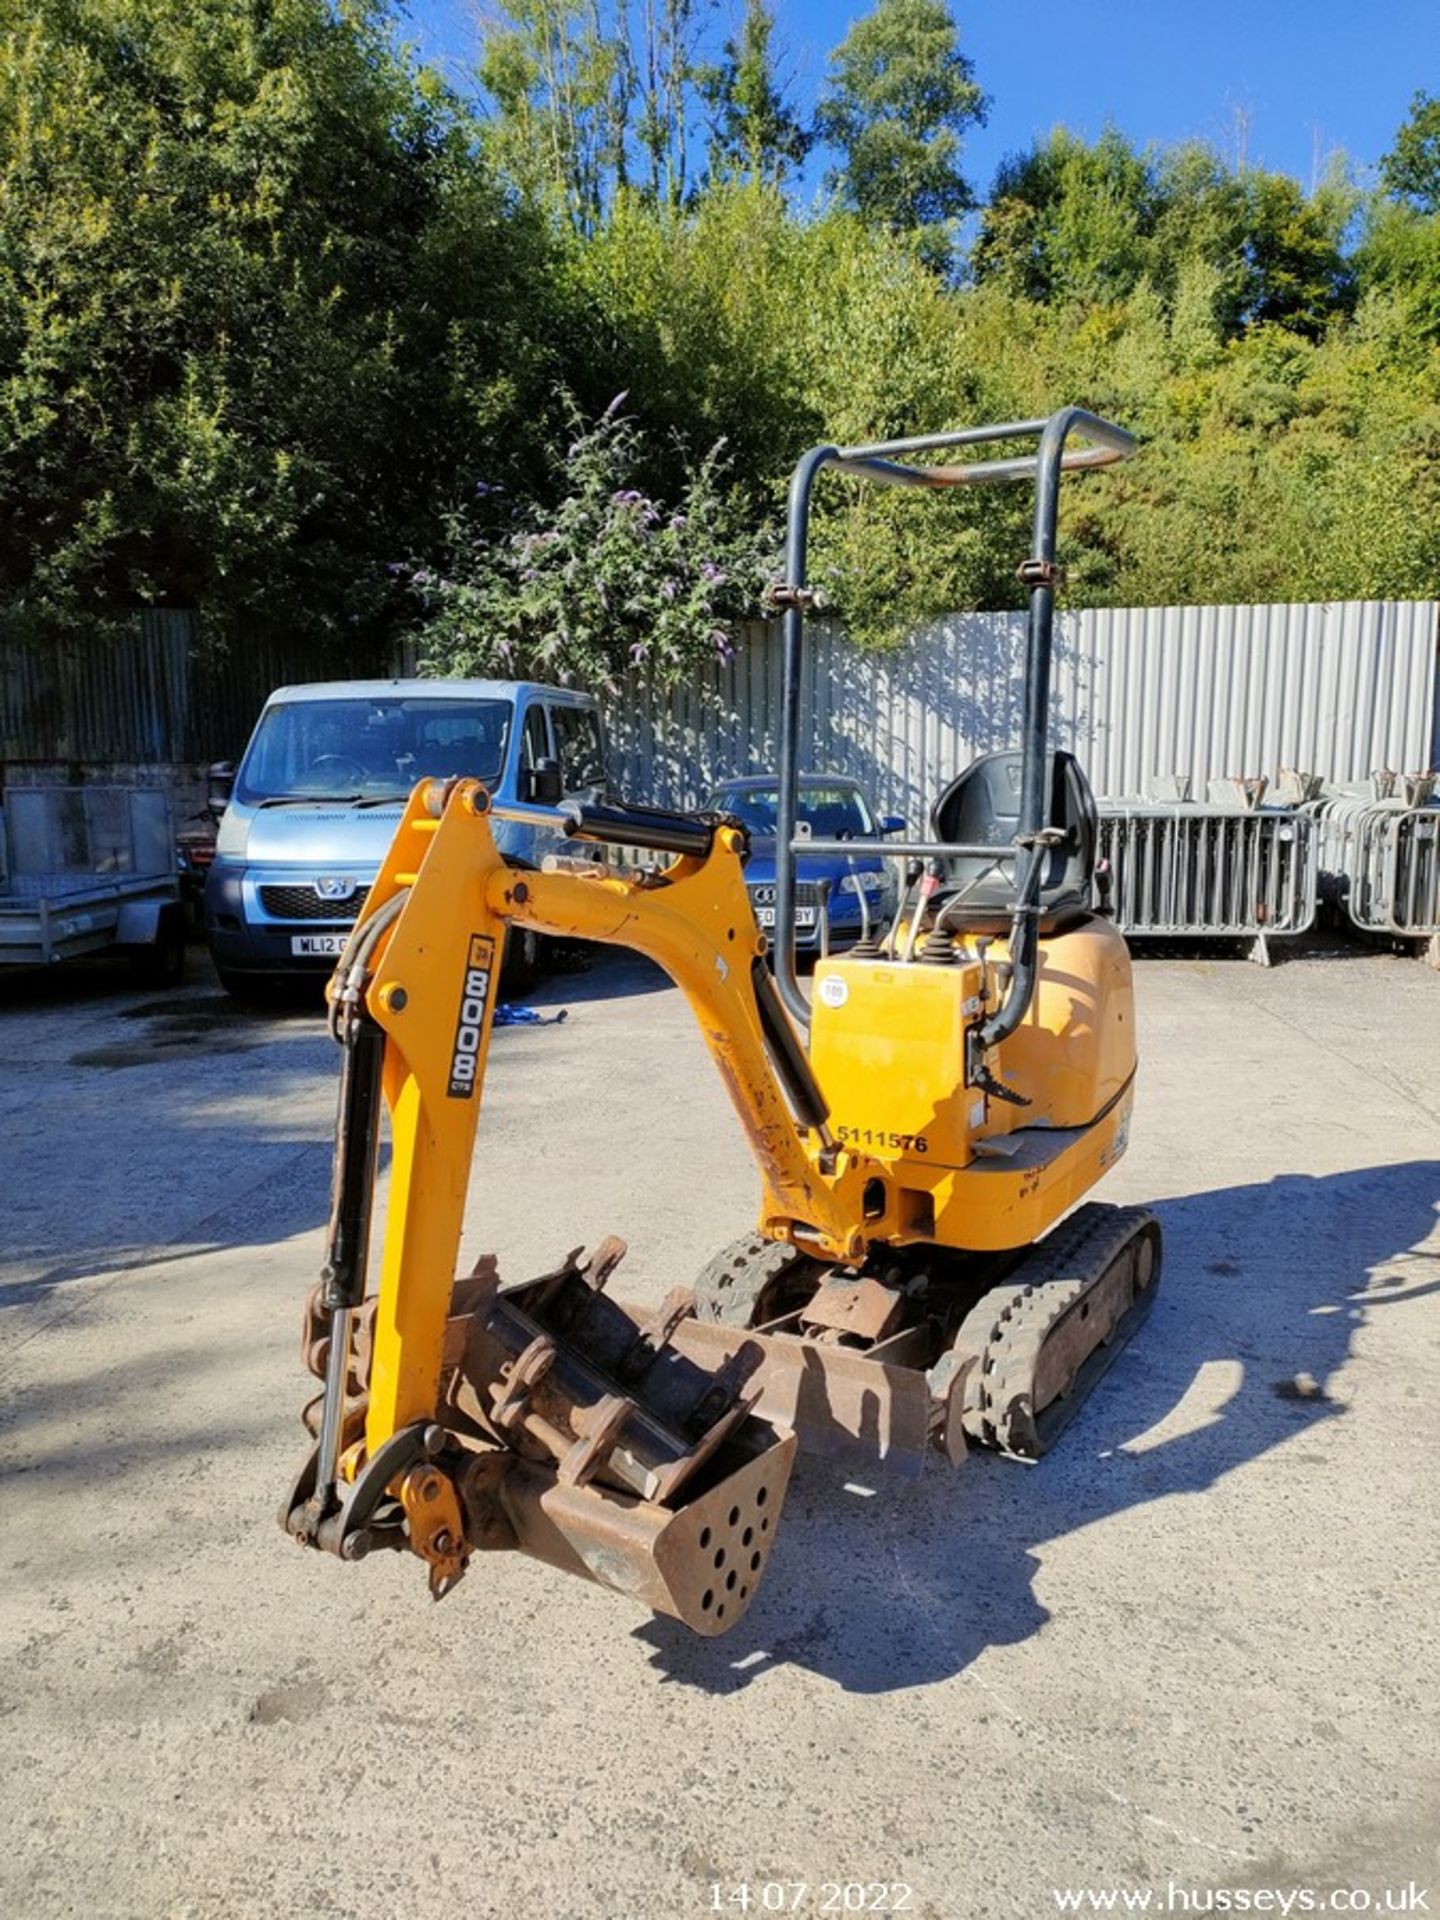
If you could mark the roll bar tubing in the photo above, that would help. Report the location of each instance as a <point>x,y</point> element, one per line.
<point>886,461</point>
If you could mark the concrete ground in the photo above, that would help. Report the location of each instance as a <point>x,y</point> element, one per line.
<point>1196,1647</point>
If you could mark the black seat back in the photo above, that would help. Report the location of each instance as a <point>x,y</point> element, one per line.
<point>982,808</point>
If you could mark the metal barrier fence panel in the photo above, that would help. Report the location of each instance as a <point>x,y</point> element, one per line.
<point>1380,861</point>
<point>1199,872</point>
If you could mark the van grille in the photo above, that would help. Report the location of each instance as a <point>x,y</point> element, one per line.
<point>304,903</point>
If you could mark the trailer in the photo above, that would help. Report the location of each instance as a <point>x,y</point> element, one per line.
<point>91,870</point>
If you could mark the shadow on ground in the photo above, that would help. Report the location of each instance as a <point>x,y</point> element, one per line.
<point>908,1584</point>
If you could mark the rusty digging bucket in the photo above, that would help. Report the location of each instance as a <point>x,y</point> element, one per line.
<point>578,1433</point>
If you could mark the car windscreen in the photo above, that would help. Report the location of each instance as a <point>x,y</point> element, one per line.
<point>831,813</point>
<point>371,749</point>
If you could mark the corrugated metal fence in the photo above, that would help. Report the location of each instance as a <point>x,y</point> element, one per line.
<point>150,697</point>
<point>1334,687</point>
<point>1337,688</point>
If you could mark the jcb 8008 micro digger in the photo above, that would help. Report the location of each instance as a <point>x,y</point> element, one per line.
<point>920,1276</point>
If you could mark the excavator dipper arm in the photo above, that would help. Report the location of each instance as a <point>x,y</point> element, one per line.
<point>432,992</point>
<point>544,1416</point>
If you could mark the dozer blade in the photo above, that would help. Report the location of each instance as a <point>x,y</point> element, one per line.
<point>1012,1376</point>
<point>859,1405</point>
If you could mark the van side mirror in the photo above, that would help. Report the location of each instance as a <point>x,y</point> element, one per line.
<point>219,785</point>
<point>544,785</point>
<point>893,823</point>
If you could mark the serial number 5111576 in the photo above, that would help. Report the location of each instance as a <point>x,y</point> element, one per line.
<point>875,1137</point>
<point>799,1896</point>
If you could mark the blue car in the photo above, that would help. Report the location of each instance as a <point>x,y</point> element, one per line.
<point>829,888</point>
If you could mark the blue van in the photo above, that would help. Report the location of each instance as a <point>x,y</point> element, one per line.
<point>319,791</point>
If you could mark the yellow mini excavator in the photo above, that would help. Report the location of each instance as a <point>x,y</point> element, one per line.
<point>921,1276</point>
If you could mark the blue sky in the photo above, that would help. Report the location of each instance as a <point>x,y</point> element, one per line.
<point>1299,79</point>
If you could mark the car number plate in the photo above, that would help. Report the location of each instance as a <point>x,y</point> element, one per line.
<point>804,916</point>
<point>318,946</point>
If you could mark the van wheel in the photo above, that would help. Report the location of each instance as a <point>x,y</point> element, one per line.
<point>162,963</point>
<point>521,966</point>
<point>247,989</point>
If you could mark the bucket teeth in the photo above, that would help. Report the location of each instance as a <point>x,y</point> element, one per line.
<point>657,1333</point>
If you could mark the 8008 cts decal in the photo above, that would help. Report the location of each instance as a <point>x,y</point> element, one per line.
<point>470,1027</point>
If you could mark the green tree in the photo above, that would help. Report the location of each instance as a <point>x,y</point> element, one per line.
<point>1399,257</point>
<point>561,92</point>
<point>1399,252</point>
<point>899,98</point>
<point>1069,221</point>
<point>1297,273</point>
<point>667,75</point>
<point>589,98</point>
<point>1411,169</point>
<point>563,88</point>
<point>754,135</point>
<point>1197,240</point>
<point>253,293</point>
<point>695,313</point>
<point>1090,222</point>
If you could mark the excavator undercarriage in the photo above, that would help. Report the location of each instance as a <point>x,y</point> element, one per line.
<point>651,1453</point>
<point>995,1350</point>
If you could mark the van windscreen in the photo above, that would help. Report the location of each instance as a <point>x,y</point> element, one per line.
<point>371,749</point>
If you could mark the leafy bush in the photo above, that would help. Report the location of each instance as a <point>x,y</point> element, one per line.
<point>606,579</point>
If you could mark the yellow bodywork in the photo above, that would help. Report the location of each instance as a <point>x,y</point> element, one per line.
<point>909,1153</point>
<point>966,1171</point>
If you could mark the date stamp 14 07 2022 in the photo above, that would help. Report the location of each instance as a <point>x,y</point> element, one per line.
<point>811,1897</point>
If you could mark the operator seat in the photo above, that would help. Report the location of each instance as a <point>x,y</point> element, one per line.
<point>982,808</point>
